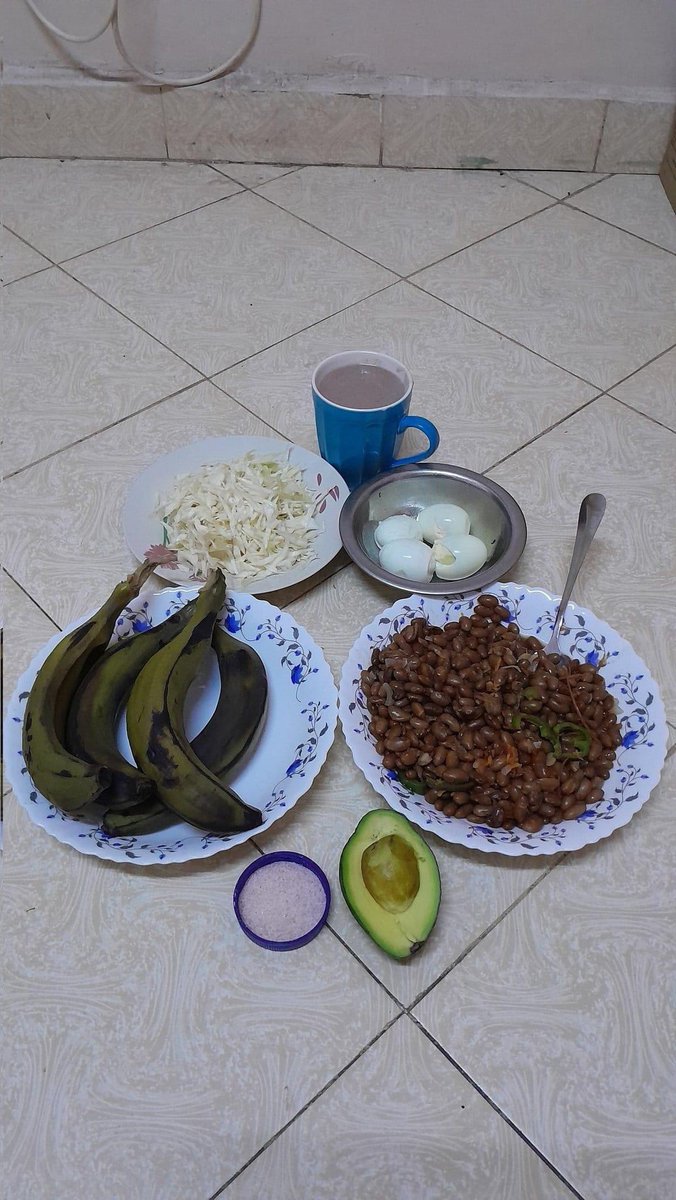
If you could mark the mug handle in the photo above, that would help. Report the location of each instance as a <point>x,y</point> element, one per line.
<point>431,433</point>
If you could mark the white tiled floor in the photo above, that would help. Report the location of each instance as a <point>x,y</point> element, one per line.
<point>527,1052</point>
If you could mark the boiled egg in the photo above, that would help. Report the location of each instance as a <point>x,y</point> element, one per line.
<point>440,519</point>
<point>408,557</point>
<point>395,528</point>
<point>458,555</point>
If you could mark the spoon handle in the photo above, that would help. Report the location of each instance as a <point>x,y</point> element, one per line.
<point>592,509</point>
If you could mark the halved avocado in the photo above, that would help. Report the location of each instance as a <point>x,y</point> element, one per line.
<point>390,881</point>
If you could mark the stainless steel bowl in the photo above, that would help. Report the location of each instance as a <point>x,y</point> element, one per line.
<point>495,517</point>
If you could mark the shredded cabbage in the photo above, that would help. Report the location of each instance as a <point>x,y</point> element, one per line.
<point>252,517</point>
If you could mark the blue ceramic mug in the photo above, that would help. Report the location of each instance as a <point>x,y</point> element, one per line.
<point>361,401</point>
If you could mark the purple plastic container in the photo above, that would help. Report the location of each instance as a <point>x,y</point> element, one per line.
<point>260,865</point>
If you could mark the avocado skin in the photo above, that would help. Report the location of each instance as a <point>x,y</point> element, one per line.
<point>399,934</point>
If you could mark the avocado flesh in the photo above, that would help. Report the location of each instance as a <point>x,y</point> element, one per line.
<point>390,881</point>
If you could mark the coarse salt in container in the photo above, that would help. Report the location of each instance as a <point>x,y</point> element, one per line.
<point>282,900</point>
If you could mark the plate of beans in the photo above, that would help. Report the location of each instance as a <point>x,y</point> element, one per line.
<point>458,718</point>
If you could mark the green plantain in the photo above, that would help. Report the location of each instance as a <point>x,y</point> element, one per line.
<point>157,733</point>
<point>239,708</point>
<point>95,709</point>
<point>146,816</point>
<point>63,778</point>
<point>224,739</point>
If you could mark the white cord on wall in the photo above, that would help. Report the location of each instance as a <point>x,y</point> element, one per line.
<point>112,20</point>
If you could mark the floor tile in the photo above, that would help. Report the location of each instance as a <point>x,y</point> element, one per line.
<point>591,298</point>
<point>629,578</point>
<point>17,259</point>
<point>637,203</point>
<point>403,219</point>
<point>253,174</point>
<point>564,1013</point>
<point>486,395</point>
<point>74,365</point>
<point>558,183</point>
<point>413,1126</point>
<point>94,202</point>
<point>62,535</point>
<point>26,629</point>
<point>474,892</point>
<point>634,136</point>
<point>110,120</point>
<point>158,1060</point>
<point>221,283</point>
<point>653,389</point>
<point>276,126</point>
<point>511,132</point>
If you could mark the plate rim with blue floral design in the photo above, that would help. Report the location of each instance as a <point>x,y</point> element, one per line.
<point>584,636</point>
<point>302,699</point>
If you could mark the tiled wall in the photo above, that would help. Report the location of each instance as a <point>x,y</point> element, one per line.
<point>110,120</point>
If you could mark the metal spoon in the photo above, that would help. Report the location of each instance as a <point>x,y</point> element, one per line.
<point>591,515</point>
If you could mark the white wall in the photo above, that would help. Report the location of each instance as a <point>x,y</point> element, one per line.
<point>607,45</point>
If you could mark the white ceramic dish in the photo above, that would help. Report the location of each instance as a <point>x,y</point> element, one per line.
<point>142,529</point>
<point>639,759</point>
<point>298,730</point>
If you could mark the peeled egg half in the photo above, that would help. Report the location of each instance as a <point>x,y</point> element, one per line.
<point>409,558</point>
<point>395,528</point>
<point>440,519</point>
<point>458,555</point>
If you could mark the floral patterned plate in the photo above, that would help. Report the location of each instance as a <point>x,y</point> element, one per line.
<point>644,733</point>
<point>145,532</point>
<point>298,730</point>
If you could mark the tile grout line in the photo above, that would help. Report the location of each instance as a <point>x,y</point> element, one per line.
<point>536,437</point>
<point>494,329</point>
<point>25,591</point>
<point>287,338</point>
<point>346,246</point>
<point>601,132</point>
<point>368,970</point>
<point>305,1107</point>
<point>241,191</point>
<point>553,203</point>
<point>569,203</point>
<point>640,413</point>
<point>559,199</point>
<point>165,130</point>
<point>29,274</point>
<point>250,187</point>
<point>558,858</point>
<point>113,425</point>
<point>636,370</point>
<point>195,382</point>
<point>407,277</point>
<point>86,286</point>
<point>399,278</point>
<point>496,1108</point>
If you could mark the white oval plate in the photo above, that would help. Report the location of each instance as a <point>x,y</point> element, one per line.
<point>644,733</point>
<point>299,727</point>
<point>142,529</point>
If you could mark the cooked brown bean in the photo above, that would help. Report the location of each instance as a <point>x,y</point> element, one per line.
<point>398,714</point>
<point>409,757</point>
<point>444,701</point>
<point>396,743</point>
<point>455,775</point>
<point>574,810</point>
<point>532,824</point>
